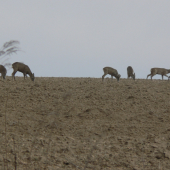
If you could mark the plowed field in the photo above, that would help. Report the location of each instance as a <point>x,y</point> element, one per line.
<point>82,123</point>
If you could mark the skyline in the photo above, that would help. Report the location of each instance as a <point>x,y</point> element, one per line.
<point>79,38</point>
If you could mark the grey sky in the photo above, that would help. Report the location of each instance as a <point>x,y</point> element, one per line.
<point>77,38</point>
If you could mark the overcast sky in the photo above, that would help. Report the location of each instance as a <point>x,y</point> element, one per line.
<point>77,38</point>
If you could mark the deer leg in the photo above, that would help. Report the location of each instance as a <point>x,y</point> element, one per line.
<point>103,76</point>
<point>148,76</point>
<point>152,76</point>
<point>167,76</point>
<point>3,76</point>
<point>153,73</point>
<point>24,75</point>
<point>13,74</point>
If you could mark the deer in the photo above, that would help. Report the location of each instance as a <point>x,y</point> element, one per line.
<point>21,67</point>
<point>111,71</point>
<point>130,72</point>
<point>3,71</point>
<point>160,71</point>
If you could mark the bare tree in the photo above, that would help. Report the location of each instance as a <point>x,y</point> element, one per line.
<point>8,49</point>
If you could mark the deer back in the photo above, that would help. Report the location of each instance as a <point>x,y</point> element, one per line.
<point>110,70</point>
<point>130,71</point>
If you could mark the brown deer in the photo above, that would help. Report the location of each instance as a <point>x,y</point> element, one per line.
<point>3,71</point>
<point>21,67</point>
<point>160,71</point>
<point>130,72</point>
<point>111,71</point>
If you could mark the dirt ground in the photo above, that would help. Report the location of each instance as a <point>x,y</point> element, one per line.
<point>82,123</point>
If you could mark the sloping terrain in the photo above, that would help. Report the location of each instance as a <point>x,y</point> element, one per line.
<point>82,123</point>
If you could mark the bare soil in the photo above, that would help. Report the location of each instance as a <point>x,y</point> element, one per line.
<point>82,123</point>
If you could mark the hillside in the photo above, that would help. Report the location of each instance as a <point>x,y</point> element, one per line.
<point>82,123</point>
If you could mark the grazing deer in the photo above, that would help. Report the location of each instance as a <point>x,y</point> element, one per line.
<point>160,71</point>
<point>3,71</point>
<point>21,67</point>
<point>111,71</point>
<point>130,72</point>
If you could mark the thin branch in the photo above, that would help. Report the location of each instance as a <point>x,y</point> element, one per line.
<point>2,53</point>
<point>8,48</point>
<point>10,43</point>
